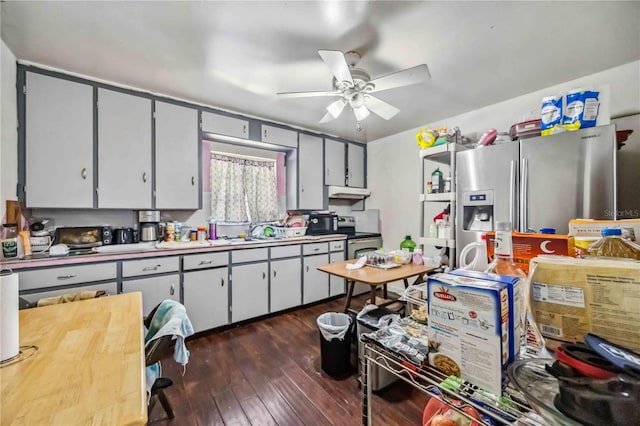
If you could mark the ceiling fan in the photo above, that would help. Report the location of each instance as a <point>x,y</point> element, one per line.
<point>354,86</point>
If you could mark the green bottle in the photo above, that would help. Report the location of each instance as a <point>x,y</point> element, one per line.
<point>408,243</point>
<point>437,181</point>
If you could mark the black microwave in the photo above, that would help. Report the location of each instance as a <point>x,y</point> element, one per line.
<point>79,237</point>
<point>322,224</point>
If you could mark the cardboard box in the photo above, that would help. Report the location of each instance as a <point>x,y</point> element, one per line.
<point>469,326</point>
<point>528,246</point>
<point>516,303</point>
<point>593,228</point>
<point>571,297</point>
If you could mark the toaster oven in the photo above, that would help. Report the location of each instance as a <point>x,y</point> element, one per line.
<point>79,237</point>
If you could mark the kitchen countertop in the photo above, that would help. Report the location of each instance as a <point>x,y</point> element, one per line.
<point>38,262</point>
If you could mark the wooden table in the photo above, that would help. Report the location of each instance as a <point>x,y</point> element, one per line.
<point>88,369</point>
<point>374,276</point>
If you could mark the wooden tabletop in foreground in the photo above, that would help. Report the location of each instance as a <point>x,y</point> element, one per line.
<point>89,367</point>
<point>374,276</point>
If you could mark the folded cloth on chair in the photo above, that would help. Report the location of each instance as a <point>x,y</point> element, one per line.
<point>170,319</point>
<point>68,297</point>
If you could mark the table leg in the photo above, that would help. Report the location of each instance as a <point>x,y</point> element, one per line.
<point>406,283</point>
<point>372,300</point>
<point>384,291</point>
<point>347,302</point>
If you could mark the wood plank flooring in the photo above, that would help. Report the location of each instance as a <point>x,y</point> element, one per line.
<point>268,372</point>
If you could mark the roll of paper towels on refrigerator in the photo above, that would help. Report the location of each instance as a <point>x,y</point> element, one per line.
<point>9,334</point>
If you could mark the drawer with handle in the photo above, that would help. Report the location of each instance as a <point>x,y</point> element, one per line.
<point>66,275</point>
<point>157,265</point>
<point>209,260</point>
<point>336,245</point>
<point>315,248</point>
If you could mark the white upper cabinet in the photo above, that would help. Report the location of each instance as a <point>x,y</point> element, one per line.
<point>310,191</point>
<point>59,143</point>
<point>124,151</point>
<point>177,162</point>
<point>225,125</point>
<point>334,162</point>
<point>355,159</point>
<point>279,136</point>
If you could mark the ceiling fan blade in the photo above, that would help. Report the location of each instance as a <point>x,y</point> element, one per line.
<point>361,113</point>
<point>308,94</point>
<point>337,63</point>
<point>380,107</point>
<point>327,118</point>
<point>416,75</point>
<point>335,108</point>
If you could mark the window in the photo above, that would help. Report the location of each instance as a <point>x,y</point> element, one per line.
<point>243,189</point>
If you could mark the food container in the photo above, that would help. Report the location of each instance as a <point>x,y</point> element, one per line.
<point>284,232</point>
<point>525,129</point>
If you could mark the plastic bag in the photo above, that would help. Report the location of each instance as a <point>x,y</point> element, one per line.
<point>334,325</point>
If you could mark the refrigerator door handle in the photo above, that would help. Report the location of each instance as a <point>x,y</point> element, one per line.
<point>524,196</point>
<point>512,194</point>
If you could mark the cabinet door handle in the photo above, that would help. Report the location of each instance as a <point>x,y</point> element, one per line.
<point>301,188</point>
<point>173,289</point>
<point>193,180</point>
<point>222,282</point>
<point>307,268</point>
<point>316,249</point>
<point>274,273</point>
<point>205,262</point>
<point>83,173</point>
<point>144,177</point>
<point>151,268</point>
<point>265,133</point>
<point>264,275</point>
<point>244,129</point>
<point>66,277</point>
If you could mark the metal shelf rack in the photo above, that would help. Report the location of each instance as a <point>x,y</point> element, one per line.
<point>444,154</point>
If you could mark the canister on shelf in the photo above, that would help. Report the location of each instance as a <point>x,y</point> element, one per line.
<point>193,235</point>
<point>447,184</point>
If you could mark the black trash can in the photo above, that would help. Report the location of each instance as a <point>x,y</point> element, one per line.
<point>335,343</point>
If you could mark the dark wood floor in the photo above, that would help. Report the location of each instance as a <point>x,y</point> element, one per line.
<point>268,373</point>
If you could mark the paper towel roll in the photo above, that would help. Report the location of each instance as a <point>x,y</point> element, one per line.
<point>9,334</point>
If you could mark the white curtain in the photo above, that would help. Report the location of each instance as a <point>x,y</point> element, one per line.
<point>243,190</point>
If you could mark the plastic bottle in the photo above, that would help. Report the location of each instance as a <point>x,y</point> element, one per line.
<point>429,187</point>
<point>213,228</point>
<point>479,261</point>
<point>408,243</point>
<point>503,264</point>
<point>437,182</point>
<point>417,257</point>
<point>613,245</point>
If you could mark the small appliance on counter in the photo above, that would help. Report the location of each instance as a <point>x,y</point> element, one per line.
<point>149,226</point>
<point>83,237</point>
<point>123,236</point>
<point>322,224</point>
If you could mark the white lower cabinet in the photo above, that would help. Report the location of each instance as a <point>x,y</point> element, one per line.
<point>154,290</point>
<point>110,288</point>
<point>249,291</point>
<point>286,291</point>
<point>315,283</point>
<point>206,298</point>
<point>336,284</point>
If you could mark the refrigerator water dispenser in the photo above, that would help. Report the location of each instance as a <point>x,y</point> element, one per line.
<point>477,210</point>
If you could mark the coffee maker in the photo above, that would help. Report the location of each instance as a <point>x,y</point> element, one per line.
<point>149,225</point>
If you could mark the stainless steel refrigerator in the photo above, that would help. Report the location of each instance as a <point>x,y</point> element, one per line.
<point>536,183</point>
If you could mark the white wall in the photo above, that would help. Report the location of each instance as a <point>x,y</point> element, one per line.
<point>9,134</point>
<point>394,168</point>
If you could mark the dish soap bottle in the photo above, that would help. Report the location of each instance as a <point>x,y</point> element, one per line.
<point>408,243</point>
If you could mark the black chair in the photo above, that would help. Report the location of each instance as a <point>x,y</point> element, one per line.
<point>155,351</point>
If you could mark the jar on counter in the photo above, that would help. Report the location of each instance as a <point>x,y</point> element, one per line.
<point>10,241</point>
<point>193,235</point>
<point>429,187</point>
<point>417,257</point>
<point>170,232</point>
<point>202,233</point>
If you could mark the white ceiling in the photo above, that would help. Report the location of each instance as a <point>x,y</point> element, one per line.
<point>237,55</point>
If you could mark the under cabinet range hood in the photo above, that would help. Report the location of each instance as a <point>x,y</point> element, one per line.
<point>348,192</point>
